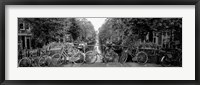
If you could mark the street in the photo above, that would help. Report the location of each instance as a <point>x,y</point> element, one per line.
<point>116,64</point>
<point>58,41</point>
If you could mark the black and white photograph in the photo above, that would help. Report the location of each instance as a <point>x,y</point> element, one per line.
<point>99,42</point>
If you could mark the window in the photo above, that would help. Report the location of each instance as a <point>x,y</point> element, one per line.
<point>27,26</point>
<point>154,40</point>
<point>28,43</point>
<point>21,26</point>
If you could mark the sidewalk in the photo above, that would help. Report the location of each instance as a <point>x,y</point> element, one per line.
<point>131,64</point>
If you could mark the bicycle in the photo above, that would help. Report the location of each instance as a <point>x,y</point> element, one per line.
<point>110,55</point>
<point>91,57</point>
<point>24,62</point>
<point>141,56</point>
<point>69,54</point>
<point>29,60</point>
<point>171,59</point>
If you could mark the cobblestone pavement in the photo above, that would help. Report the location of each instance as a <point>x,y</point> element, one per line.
<point>129,64</point>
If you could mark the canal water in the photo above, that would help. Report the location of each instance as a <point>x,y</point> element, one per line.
<point>97,23</point>
<point>99,59</point>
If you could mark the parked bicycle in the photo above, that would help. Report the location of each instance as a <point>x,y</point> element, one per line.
<point>172,58</point>
<point>29,59</point>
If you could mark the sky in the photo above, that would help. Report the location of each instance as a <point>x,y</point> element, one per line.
<point>97,22</point>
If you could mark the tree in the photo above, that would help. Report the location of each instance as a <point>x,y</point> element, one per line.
<point>87,31</point>
<point>128,31</point>
<point>47,30</point>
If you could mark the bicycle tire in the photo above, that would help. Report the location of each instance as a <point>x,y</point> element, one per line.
<point>43,61</point>
<point>80,57</point>
<point>164,62</point>
<point>90,58</point>
<point>142,59</point>
<point>26,59</point>
<point>35,62</point>
<point>123,57</point>
<point>111,57</point>
<point>56,60</point>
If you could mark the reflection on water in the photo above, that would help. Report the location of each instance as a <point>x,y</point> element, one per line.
<point>97,23</point>
<point>97,47</point>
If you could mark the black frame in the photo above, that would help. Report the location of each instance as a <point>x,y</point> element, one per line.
<point>99,2</point>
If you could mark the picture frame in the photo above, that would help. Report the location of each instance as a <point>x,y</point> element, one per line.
<point>98,2</point>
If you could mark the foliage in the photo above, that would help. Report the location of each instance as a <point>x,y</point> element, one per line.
<point>47,30</point>
<point>129,31</point>
<point>87,31</point>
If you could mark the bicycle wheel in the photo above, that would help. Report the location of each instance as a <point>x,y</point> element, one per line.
<point>79,57</point>
<point>66,53</point>
<point>123,57</point>
<point>111,56</point>
<point>24,62</point>
<point>165,61</point>
<point>90,57</point>
<point>56,61</point>
<point>141,57</point>
<point>35,61</point>
<point>44,61</point>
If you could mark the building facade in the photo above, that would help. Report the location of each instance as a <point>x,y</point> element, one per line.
<point>24,35</point>
<point>165,39</point>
